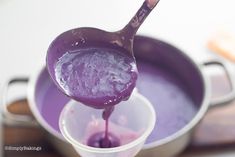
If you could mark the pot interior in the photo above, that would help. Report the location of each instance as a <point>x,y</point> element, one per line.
<point>168,78</point>
<point>171,81</point>
<point>49,99</point>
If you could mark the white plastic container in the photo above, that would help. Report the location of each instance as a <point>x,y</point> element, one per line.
<point>135,117</point>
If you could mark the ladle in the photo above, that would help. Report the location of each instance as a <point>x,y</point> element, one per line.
<point>84,37</point>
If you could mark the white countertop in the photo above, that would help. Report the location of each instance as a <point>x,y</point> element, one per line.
<point>28,26</point>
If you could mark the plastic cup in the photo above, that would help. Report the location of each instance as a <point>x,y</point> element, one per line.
<point>132,122</point>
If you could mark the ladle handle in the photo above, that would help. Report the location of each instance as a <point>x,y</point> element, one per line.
<point>131,28</point>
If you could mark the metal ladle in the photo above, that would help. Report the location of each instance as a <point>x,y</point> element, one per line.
<point>86,36</point>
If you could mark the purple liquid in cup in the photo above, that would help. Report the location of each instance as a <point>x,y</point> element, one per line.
<point>97,141</point>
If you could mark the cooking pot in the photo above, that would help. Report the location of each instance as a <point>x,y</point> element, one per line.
<point>153,52</point>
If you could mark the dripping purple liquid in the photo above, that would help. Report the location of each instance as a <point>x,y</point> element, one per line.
<point>104,139</point>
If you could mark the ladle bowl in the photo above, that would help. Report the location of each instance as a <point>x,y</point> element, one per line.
<point>78,38</point>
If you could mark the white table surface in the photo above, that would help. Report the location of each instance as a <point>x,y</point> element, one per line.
<point>28,26</point>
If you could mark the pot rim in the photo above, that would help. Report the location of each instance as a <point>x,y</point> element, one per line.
<point>200,113</point>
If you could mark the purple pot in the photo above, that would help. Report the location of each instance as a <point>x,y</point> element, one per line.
<point>174,83</point>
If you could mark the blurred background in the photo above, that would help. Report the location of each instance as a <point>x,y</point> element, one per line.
<point>27,27</point>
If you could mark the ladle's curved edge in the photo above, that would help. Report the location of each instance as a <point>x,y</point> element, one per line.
<point>77,38</point>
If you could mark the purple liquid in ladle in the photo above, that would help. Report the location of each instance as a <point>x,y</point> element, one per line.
<point>97,67</point>
<point>98,77</point>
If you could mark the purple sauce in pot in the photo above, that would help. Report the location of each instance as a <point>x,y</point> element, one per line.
<point>97,140</point>
<point>173,105</point>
